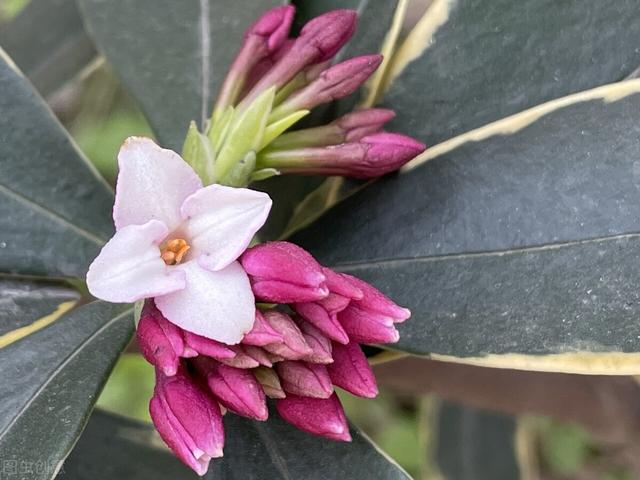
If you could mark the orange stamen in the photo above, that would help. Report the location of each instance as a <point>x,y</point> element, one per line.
<point>174,251</point>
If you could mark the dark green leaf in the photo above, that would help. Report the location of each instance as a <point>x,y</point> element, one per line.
<point>59,49</point>
<point>23,301</point>
<point>159,50</point>
<point>493,58</point>
<point>116,447</point>
<point>50,381</point>
<point>475,444</point>
<point>54,208</point>
<point>276,450</point>
<point>523,241</point>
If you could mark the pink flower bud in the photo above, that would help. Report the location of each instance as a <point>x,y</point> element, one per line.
<point>389,151</point>
<point>236,388</point>
<point>270,382</point>
<point>272,27</point>
<point>351,371</point>
<point>187,419</point>
<point>258,354</point>
<point>241,358</point>
<point>374,301</point>
<point>366,327</point>
<point>373,156</point>
<point>319,343</point>
<point>334,303</point>
<point>327,33</point>
<point>305,379</point>
<point>262,333</point>
<point>364,122</point>
<point>341,284</point>
<point>334,83</point>
<point>323,417</point>
<point>160,341</point>
<point>294,346</point>
<point>207,346</point>
<point>281,272</point>
<point>319,40</point>
<point>327,323</point>
<point>263,38</point>
<point>348,128</point>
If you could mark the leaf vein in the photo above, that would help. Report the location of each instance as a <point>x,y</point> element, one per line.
<point>56,217</point>
<point>493,253</point>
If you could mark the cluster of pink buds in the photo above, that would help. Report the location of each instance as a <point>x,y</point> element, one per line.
<point>295,354</point>
<point>275,81</point>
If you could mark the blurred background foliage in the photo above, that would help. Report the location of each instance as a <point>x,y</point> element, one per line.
<point>100,115</point>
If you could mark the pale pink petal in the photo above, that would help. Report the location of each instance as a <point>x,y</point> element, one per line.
<point>152,184</point>
<point>221,221</point>
<point>129,267</point>
<point>217,305</point>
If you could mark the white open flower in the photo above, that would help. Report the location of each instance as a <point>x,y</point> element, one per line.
<point>177,242</point>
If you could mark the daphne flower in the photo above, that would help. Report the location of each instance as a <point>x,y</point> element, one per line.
<point>177,242</point>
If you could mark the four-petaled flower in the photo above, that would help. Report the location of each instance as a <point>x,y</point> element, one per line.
<point>177,242</point>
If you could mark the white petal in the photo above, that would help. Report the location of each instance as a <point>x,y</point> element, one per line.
<point>152,184</point>
<point>221,221</point>
<point>217,305</point>
<point>129,267</point>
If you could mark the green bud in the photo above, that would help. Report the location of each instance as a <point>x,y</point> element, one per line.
<point>244,136</point>
<point>263,174</point>
<point>218,128</point>
<point>196,151</point>
<point>241,171</point>
<point>274,130</point>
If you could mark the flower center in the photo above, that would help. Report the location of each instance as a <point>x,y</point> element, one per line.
<point>174,250</point>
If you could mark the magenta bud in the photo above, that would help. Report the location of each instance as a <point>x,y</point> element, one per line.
<point>258,354</point>
<point>348,128</point>
<point>207,346</point>
<point>318,416</point>
<point>367,327</point>
<point>304,379</point>
<point>373,156</point>
<point>241,359</point>
<point>389,151</point>
<point>360,123</point>
<point>263,38</point>
<point>187,419</point>
<point>270,382</point>
<point>334,303</point>
<point>327,323</point>
<point>327,33</point>
<point>281,272</point>
<point>334,83</point>
<point>294,346</point>
<point>273,26</point>
<point>351,371</point>
<point>373,300</point>
<point>318,342</point>
<point>319,40</point>
<point>262,333</point>
<point>160,341</point>
<point>341,284</point>
<point>238,390</point>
